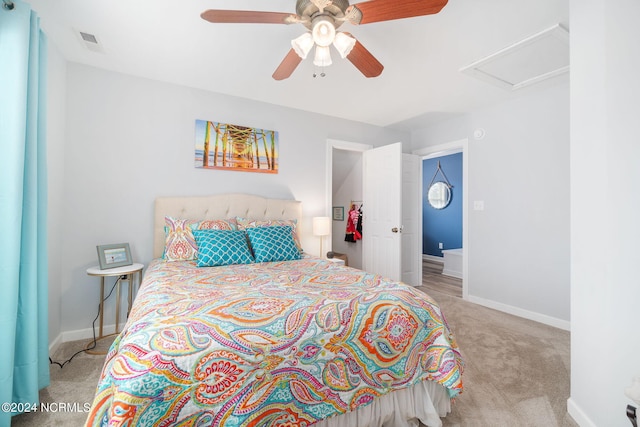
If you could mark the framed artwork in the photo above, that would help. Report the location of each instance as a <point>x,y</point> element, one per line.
<point>338,213</point>
<point>224,146</point>
<point>112,256</point>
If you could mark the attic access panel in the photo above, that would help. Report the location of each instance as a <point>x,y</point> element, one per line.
<point>531,60</point>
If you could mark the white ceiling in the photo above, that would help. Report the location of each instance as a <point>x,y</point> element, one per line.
<point>167,40</point>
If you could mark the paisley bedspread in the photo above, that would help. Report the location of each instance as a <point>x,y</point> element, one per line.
<point>270,344</point>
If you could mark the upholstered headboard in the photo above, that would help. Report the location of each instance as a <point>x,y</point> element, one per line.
<point>220,206</point>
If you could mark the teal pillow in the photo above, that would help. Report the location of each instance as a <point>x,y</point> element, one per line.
<point>273,244</point>
<point>222,247</point>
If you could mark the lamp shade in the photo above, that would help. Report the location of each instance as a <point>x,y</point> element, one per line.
<point>322,57</point>
<point>302,45</point>
<point>343,43</point>
<point>321,226</point>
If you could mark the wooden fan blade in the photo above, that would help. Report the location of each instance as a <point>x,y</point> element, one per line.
<point>287,66</point>
<point>244,17</point>
<point>364,60</point>
<point>388,10</point>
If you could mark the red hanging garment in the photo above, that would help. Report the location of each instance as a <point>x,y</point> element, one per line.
<point>353,230</point>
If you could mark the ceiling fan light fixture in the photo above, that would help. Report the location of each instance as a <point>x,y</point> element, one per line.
<point>343,44</point>
<point>322,57</point>
<point>302,45</point>
<point>323,31</point>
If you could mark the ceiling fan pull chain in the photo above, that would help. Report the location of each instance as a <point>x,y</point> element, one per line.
<point>322,73</point>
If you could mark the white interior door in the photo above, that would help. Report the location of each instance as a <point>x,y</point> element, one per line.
<point>382,211</point>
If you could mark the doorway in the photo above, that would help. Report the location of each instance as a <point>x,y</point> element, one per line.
<point>347,204</point>
<point>391,186</point>
<point>442,219</point>
<point>344,185</point>
<point>460,146</point>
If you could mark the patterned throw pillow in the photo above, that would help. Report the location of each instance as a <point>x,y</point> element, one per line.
<point>180,245</point>
<point>273,243</point>
<point>245,224</point>
<point>222,247</point>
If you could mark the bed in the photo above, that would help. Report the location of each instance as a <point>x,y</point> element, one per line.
<point>292,342</point>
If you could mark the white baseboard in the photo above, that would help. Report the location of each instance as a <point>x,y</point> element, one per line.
<point>452,273</point>
<point>79,334</point>
<point>520,312</point>
<point>82,334</point>
<point>433,258</point>
<point>578,414</point>
<point>55,344</point>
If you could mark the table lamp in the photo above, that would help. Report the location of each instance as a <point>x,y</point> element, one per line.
<point>321,228</point>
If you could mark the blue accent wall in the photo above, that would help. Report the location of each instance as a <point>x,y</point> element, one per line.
<point>444,225</point>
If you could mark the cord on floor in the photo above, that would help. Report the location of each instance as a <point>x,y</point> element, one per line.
<point>93,324</point>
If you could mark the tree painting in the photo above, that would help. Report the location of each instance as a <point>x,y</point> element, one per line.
<point>233,147</point>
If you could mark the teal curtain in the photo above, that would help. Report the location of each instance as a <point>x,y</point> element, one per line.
<point>24,341</point>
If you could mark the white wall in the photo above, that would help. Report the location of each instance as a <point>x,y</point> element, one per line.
<point>518,250</point>
<point>129,140</point>
<point>349,189</point>
<point>605,206</point>
<point>56,100</point>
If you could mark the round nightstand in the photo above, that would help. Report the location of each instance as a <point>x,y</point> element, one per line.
<point>129,273</point>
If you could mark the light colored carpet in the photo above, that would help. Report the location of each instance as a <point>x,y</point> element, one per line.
<point>516,370</point>
<point>516,373</point>
<point>72,386</point>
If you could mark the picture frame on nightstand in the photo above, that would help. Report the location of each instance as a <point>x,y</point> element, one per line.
<point>114,255</point>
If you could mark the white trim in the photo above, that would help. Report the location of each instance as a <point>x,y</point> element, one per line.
<point>349,146</point>
<point>87,333</point>
<point>55,344</point>
<point>578,414</point>
<point>442,149</point>
<point>453,256</point>
<point>433,258</point>
<point>78,334</point>
<point>461,145</point>
<point>339,145</point>
<point>451,273</point>
<point>520,312</point>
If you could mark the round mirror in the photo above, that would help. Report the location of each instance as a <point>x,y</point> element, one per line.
<point>439,195</point>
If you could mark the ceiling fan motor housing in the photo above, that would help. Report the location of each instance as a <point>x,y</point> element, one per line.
<point>310,11</point>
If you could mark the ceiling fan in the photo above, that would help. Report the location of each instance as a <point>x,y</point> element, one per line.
<point>322,18</point>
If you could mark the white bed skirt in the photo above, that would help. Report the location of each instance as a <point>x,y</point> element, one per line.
<point>425,402</point>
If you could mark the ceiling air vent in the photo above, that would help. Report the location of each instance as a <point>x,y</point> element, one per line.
<point>89,38</point>
<point>90,41</point>
<point>532,60</point>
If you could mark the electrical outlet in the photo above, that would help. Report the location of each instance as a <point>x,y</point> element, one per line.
<point>440,245</point>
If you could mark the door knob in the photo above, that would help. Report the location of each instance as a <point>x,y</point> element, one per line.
<point>394,230</point>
